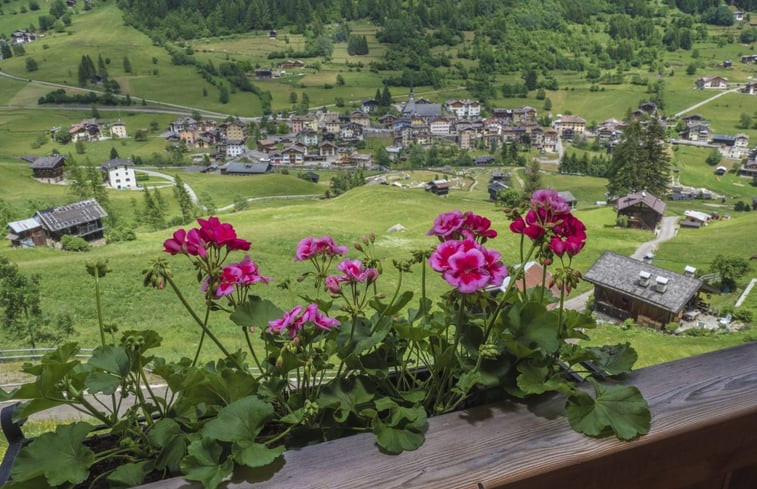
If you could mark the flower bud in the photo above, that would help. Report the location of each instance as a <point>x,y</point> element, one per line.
<point>358,246</point>
<point>279,362</point>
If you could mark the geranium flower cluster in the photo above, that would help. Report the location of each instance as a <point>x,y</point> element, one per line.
<point>549,219</point>
<point>353,272</point>
<point>461,258</point>
<point>212,233</point>
<point>310,247</point>
<point>243,273</point>
<point>459,225</point>
<point>295,320</point>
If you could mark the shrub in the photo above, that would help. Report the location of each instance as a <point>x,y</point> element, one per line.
<point>743,315</point>
<point>74,243</point>
<point>622,222</point>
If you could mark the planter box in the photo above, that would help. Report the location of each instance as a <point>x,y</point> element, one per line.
<point>703,436</point>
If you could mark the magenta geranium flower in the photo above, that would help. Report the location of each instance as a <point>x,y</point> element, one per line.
<point>310,247</point>
<point>467,271</point>
<point>243,273</point>
<point>220,234</point>
<point>188,243</point>
<point>467,265</point>
<point>569,236</point>
<point>476,226</point>
<point>333,284</point>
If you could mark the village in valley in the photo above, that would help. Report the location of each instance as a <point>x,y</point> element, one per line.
<point>381,135</point>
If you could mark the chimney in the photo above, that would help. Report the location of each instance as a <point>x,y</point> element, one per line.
<point>662,284</point>
<point>644,278</point>
<point>689,271</point>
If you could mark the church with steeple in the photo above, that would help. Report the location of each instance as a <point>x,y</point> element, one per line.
<point>420,108</point>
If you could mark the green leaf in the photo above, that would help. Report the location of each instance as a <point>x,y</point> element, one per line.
<point>131,474</point>
<point>166,435</point>
<point>60,457</point>
<point>149,338</point>
<point>392,308</point>
<point>533,380</point>
<point>113,359</point>
<point>346,395</point>
<point>614,359</point>
<point>254,454</point>
<point>101,382</point>
<point>619,409</point>
<point>240,420</point>
<point>397,440</point>
<point>203,463</point>
<point>255,312</point>
<point>533,328</point>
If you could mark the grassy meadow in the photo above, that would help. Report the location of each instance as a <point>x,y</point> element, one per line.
<point>275,226</point>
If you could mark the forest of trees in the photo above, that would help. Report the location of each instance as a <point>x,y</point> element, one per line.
<point>514,36</point>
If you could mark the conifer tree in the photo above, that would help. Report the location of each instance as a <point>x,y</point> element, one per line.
<point>640,161</point>
<point>184,200</point>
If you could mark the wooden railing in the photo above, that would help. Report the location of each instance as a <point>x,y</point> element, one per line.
<point>703,436</point>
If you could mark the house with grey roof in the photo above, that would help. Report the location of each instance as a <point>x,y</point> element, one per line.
<point>642,209</point>
<point>628,288</point>
<point>83,219</point>
<point>246,168</point>
<point>49,169</point>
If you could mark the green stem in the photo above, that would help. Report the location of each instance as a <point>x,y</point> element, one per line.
<point>252,350</point>
<point>204,326</point>
<point>510,285</point>
<point>202,338</point>
<point>99,306</point>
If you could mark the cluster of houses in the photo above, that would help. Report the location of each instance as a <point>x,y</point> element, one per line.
<point>82,219</point>
<point>88,130</point>
<point>268,73</point>
<point>698,130</point>
<point>117,173</point>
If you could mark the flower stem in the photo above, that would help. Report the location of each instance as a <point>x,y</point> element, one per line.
<point>98,303</point>
<point>199,321</point>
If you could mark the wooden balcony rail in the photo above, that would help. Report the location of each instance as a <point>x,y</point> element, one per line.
<point>703,436</point>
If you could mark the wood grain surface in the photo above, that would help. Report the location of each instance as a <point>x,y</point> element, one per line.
<point>703,436</point>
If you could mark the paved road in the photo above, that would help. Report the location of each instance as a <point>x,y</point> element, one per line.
<point>666,231</point>
<point>703,102</point>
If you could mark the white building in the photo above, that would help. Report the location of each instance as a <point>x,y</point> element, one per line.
<point>120,174</point>
<point>118,130</point>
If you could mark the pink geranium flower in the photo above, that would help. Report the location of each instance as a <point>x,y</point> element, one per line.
<point>354,271</point>
<point>445,225</point>
<point>569,236</point>
<point>244,273</point>
<point>310,247</point>
<point>290,321</point>
<point>476,226</point>
<point>314,316</point>
<point>467,265</point>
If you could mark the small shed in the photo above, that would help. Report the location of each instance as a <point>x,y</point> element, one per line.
<point>245,168</point>
<point>26,233</point>
<point>568,197</point>
<point>628,288</point>
<point>438,187</point>
<point>495,187</point>
<point>643,210</point>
